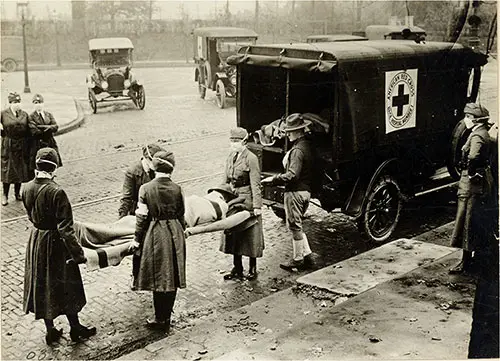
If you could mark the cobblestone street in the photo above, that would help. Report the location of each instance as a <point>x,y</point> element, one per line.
<point>95,157</point>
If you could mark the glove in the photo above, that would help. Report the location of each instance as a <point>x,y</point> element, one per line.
<point>267,180</point>
<point>257,211</point>
<point>134,246</point>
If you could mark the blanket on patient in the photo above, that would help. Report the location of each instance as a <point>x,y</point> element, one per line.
<point>105,244</point>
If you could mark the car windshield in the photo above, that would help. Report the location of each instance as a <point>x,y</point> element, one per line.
<point>227,48</point>
<point>111,58</point>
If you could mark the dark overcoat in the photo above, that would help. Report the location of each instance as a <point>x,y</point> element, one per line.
<point>15,147</point>
<point>52,286</point>
<point>162,265</point>
<point>243,173</point>
<point>474,195</point>
<point>42,130</point>
<point>135,177</point>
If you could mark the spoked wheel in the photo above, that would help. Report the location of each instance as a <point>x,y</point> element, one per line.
<point>202,89</point>
<point>9,65</point>
<point>382,210</point>
<point>141,98</point>
<point>92,101</point>
<point>220,94</point>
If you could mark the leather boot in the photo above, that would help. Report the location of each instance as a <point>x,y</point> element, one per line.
<point>53,335</point>
<point>5,200</point>
<point>81,332</point>
<point>234,274</point>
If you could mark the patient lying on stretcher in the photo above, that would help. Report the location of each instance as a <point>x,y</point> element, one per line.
<point>107,244</point>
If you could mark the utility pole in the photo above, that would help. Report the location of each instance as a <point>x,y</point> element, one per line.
<point>256,20</point>
<point>23,5</point>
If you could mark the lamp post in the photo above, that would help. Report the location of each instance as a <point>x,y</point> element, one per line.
<point>23,5</point>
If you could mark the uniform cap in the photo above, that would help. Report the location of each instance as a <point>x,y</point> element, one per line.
<point>150,150</point>
<point>45,157</point>
<point>164,161</point>
<point>477,111</point>
<point>14,97</point>
<point>38,98</point>
<point>238,133</point>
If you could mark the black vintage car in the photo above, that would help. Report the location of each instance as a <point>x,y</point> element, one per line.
<point>386,118</point>
<point>112,78</point>
<point>212,46</point>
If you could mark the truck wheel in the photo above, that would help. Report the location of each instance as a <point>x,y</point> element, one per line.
<point>220,94</point>
<point>92,102</point>
<point>202,89</point>
<point>382,209</point>
<point>9,65</point>
<point>458,139</point>
<point>279,212</point>
<point>141,98</point>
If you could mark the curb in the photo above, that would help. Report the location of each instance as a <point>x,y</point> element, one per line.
<point>137,65</point>
<point>75,123</point>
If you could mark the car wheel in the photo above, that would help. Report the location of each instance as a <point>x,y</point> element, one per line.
<point>141,98</point>
<point>382,209</point>
<point>92,101</point>
<point>220,94</point>
<point>458,138</point>
<point>279,212</point>
<point>202,89</point>
<point>9,65</point>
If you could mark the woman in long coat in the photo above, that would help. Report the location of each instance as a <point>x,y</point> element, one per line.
<point>15,148</point>
<point>472,228</point>
<point>52,281</point>
<point>42,126</point>
<point>243,173</point>
<point>159,237</point>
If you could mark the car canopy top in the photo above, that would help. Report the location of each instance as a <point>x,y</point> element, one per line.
<point>225,32</point>
<point>325,56</point>
<point>110,43</point>
<point>334,37</point>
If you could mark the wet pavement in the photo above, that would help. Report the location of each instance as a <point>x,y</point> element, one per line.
<point>95,157</point>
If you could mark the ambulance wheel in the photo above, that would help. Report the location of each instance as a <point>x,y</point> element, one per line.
<point>220,94</point>
<point>9,65</point>
<point>458,139</point>
<point>141,98</point>
<point>382,209</point>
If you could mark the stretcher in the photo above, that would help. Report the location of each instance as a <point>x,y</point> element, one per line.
<point>107,244</point>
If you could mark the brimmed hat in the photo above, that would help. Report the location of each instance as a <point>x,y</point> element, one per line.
<point>38,98</point>
<point>151,149</point>
<point>224,189</point>
<point>296,121</point>
<point>14,97</point>
<point>480,113</point>
<point>238,133</point>
<point>46,159</point>
<point>164,161</point>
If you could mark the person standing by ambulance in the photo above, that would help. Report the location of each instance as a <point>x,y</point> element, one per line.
<point>298,180</point>
<point>474,188</point>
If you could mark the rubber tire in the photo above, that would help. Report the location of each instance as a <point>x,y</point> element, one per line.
<point>202,89</point>
<point>9,65</point>
<point>362,222</point>
<point>93,103</point>
<point>279,212</point>
<point>458,138</point>
<point>220,94</point>
<point>141,98</point>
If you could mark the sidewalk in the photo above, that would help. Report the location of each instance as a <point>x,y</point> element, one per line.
<point>396,301</point>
